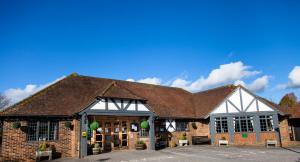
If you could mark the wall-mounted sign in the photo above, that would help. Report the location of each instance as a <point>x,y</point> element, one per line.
<point>134,127</point>
<point>83,134</point>
<point>245,135</point>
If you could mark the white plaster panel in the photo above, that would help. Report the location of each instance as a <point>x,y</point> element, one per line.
<point>263,107</point>
<point>171,128</point>
<point>99,106</point>
<point>141,106</point>
<point>111,105</point>
<point>235,99</point>
<point>252,107</point>
<point>247,98</point>
<point>220,109</point>
<point>118,102</point>
<point>231,109</point>
<point>131,106</point>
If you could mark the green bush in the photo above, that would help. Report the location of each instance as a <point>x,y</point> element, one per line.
<point>16,125</point>
<point>183,136</point>
<point>94,125</point>
<point>140,142</point>
<point>144,124</point>
<point>68,124</point>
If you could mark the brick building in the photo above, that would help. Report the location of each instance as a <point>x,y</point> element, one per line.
<point>119,107</point>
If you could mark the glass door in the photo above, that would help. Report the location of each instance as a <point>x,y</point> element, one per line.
<point>107,136</point>
<point>116,135</point>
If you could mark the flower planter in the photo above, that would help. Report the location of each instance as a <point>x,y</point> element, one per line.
<point>40,154</point>
<point>183,142</point>
<point>223,142</point>
<point>140,146</point>
<point>96,150</point>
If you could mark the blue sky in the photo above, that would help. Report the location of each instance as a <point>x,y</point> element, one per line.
<point>174,43</point>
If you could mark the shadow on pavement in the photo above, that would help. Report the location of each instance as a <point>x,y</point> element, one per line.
<point>104,159</point>
<point>289,149</point>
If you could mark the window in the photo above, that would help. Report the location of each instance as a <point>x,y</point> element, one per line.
<point>181,126</point>
<point>144,132</point>
<point>221,124</point>
<point>42,130</point>
<point>243,124</point>
<point>266,123</point>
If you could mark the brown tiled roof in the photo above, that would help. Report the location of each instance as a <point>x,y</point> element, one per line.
<point>206,101</point>
<point>74,93</point>
<point>293,112</point>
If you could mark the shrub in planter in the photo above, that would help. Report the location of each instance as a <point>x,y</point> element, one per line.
<point>223,138</point>
<point>94,125</point>
<point>144,124</point>
<point>68,124</point>
<point>183,140</point>
<point>16,125</point>
<point>140,145</point>
<point>96,149</point>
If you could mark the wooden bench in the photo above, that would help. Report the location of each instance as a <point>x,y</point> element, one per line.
<point>198,140</point>
<point>271,143</point>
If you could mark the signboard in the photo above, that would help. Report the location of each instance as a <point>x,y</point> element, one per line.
<point>245,135</point>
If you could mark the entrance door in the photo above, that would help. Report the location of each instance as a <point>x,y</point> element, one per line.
<point>297,133</point>
<point>107,137</point>
<point>116,136</point>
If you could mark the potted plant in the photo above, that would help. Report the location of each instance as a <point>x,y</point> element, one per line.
<point>96,149</point>
<point>140,145</point>
<point>183,140</point>
<point>16,125</point>
<point>144,124</point>
<point>94,125</point>
<point>69,125</point>
<point>44,150</point>
<point>223,141</point>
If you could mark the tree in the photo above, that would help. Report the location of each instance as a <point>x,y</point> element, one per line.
<point>288,100</point>
<point>4,101</point>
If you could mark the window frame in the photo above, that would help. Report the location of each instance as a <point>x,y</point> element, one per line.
<point>144,133</point>
<point>36,134</point>
<point>249,120</point>
<point>181,126</point>
<point>222,121</point>
<point>266,118</point>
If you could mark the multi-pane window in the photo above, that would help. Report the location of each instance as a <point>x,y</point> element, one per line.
<point>144,132</point>
<point>181,126</point>
<point>243,124</point>
<point>221,124</point>
<point>42,130</point>
<point>266,123</point>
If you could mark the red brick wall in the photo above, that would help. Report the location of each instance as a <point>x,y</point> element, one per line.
<point>220,136</point>
<point>15,147</point>
<point>285,134</point>
<point>240,140</point>
<point>250,140</point>
<point>202,129</point>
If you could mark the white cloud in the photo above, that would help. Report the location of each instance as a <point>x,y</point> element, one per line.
<point>18,94</point>
<point>257,85</point>
<point>153,80</point>
<point>180,83</point>
<point>225,74</point>
<point>294,78</point>
<point>130,80</point>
